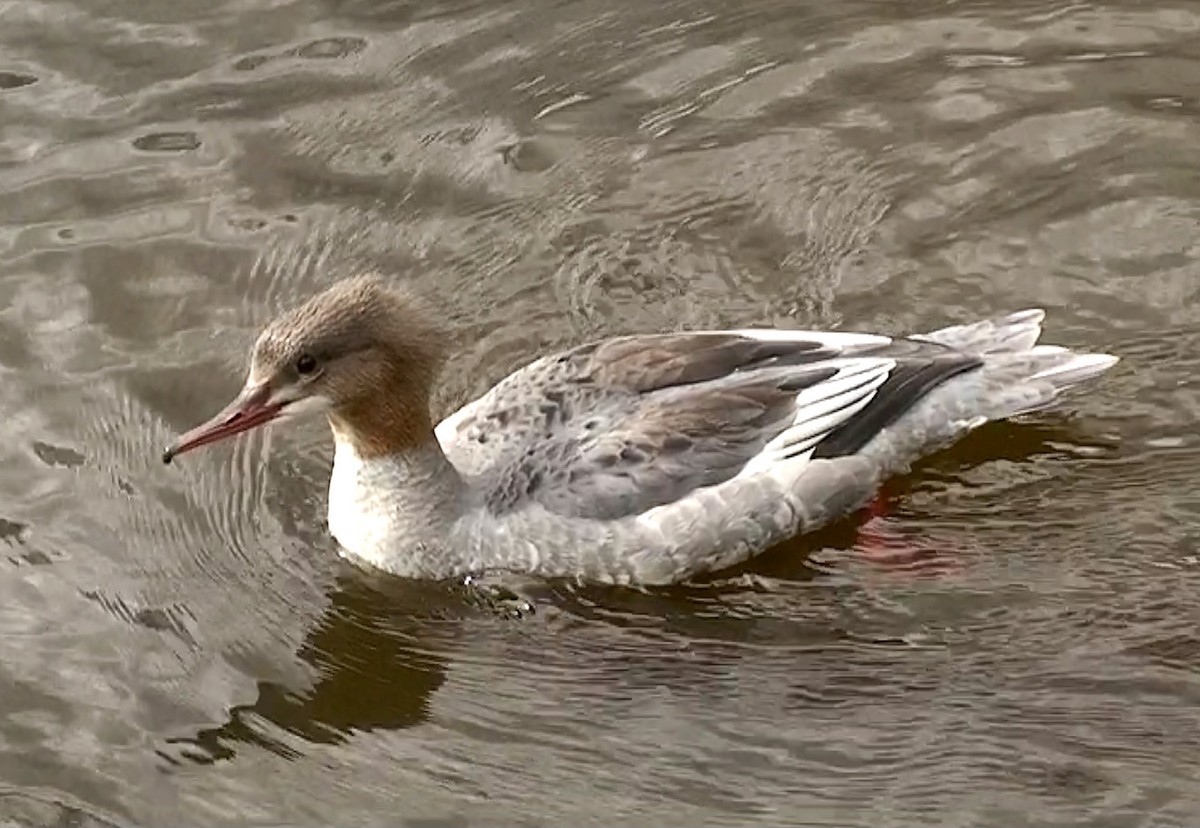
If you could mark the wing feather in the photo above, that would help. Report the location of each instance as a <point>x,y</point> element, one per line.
<point>821,409</point>
<point>614,428</point>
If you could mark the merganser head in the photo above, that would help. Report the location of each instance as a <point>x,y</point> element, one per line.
<point>359,352</point>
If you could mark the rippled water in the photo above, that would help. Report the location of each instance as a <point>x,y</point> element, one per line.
<point>1011,641</point>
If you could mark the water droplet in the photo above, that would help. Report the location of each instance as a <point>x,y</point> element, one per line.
<point>331,47</point>
<point>247,224</point>
<point>167,142</point>
<point>251,62</point>
<point>13,532</point>
<point>36,557</point>
<point>58,455</point>
<point>15,80</point>
<point>528,156</point>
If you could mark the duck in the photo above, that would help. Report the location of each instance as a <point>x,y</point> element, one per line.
<point>644,459</point>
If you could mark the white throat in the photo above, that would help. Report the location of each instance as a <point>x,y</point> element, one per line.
<point>390,510</point>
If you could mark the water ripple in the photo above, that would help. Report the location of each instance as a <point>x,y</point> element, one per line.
<point>1005,633</point>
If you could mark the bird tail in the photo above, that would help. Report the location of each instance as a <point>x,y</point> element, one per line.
<point>1022,375</point>
<point>1002,335</point>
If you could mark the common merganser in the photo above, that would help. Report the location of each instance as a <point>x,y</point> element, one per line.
<point>646,459</point>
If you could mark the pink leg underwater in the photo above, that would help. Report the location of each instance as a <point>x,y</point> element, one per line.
<point>883,543</point>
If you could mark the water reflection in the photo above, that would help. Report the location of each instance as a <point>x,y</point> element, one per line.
<point>370,669</point>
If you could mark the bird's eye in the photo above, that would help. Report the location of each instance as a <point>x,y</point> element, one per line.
<point>306,364</point>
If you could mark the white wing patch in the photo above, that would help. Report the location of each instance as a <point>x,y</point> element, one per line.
<point>446,431</point>
<point>837,340</point>
<point>821,408</point>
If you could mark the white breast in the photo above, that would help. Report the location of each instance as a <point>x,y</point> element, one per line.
<point>359,517</point>
<point>396,512</point>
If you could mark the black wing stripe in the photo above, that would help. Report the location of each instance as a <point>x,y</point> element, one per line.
<point>908,383</point>
<point>807,378</point>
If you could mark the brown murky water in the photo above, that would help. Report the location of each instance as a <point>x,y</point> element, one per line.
<point>1011,642</point>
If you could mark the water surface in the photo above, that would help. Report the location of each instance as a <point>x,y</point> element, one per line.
<point>1011,640</point>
